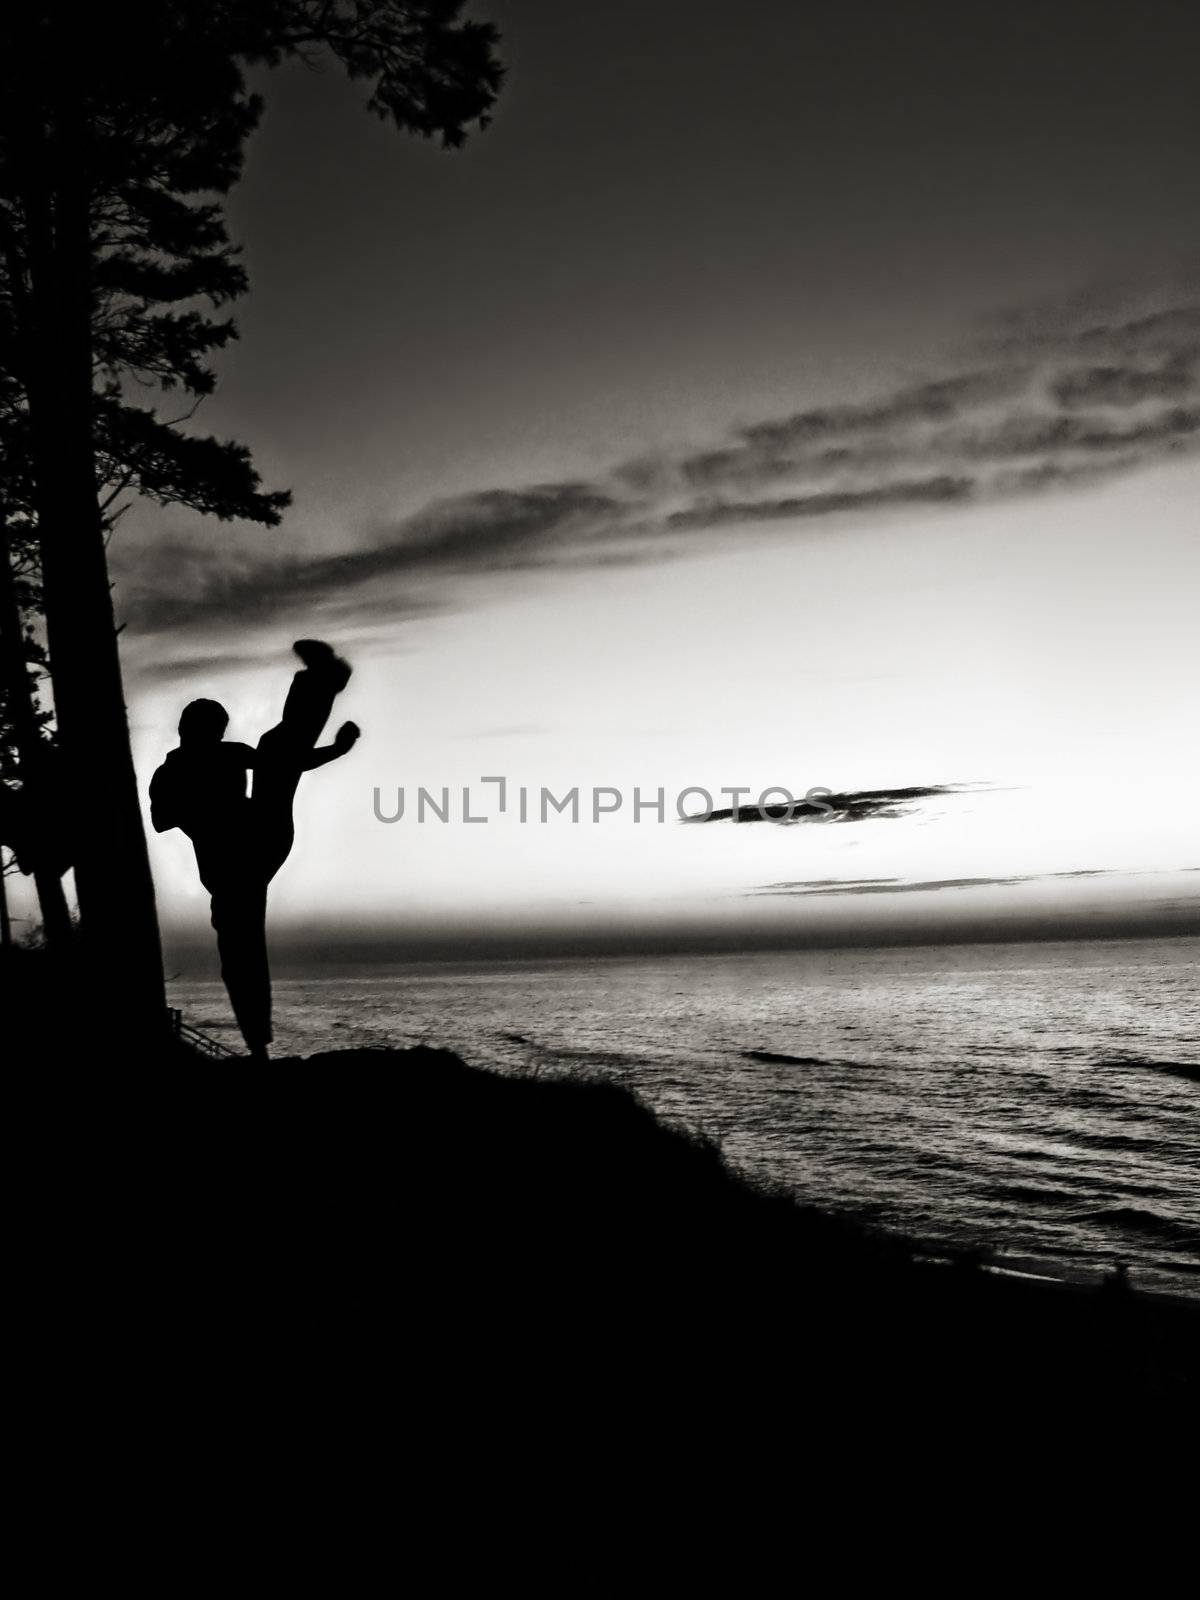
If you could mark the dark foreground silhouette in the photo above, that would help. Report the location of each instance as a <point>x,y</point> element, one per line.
<point>371,1263</point>
<point>241,840</point>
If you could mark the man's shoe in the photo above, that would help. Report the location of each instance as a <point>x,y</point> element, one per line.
<point>320,657</point>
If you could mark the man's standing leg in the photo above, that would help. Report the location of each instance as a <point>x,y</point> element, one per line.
<point>239,914</point>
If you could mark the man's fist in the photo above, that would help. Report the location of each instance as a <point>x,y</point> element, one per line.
<point>347,736</point>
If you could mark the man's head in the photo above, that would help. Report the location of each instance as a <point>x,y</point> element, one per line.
<point>203,722</point>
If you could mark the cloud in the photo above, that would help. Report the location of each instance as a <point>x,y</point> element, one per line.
<point>939,401</point>
<point>1133,318</point>
<point>863,806</point>
<point>829,883</point>
<point>1172,379</point>
<point>496,528</point>
<point>197,666</point>
<point>922,491</point>
<point>887,886</point>
<point>1087,399</point>
<point>833,886</point>
<point>1053,398</point>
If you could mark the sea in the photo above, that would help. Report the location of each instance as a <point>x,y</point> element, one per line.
<point>1039,1103</point>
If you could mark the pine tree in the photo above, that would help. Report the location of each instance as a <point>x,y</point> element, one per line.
<point>31,823</point>
<point>121,129</point>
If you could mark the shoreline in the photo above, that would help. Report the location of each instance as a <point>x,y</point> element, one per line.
<point>780,1082</point>
<point>529,1245</point>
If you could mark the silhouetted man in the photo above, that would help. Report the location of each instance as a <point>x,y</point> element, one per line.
<point>242,841</point>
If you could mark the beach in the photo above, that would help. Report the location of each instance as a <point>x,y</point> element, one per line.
<point>1034,1101</point>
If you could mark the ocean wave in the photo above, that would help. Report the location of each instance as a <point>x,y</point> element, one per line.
<point>1139,1220</point>
<point>1084,1099</point>
<point>1175,1069</point>
<point>1039,1194</point>
<point>774,1058</point>
<point>1134,1143</point>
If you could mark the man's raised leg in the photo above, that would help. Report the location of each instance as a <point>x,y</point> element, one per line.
<point>310,697</point>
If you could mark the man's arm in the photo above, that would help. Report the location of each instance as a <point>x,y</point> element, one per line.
<point>344,739</point>
<point>164,807</point>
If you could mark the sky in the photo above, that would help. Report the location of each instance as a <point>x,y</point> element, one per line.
<point>777,394</point>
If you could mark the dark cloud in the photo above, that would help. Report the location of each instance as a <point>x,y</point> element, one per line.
<point>923,491</point>
<point>1065,437</point>
<point>1127,390</point>
<point>1066,329</point>
<point>1064,397</point>
<point>828,883</point>
<point>496,528</point>
<point>854,886</point>
<point>1111,385</point>
<point>863,806</point>
<point>888,886</point>
<point>849,437</point>
<point>1045,476</point>
<point>198,666</point>
<point>938,401</point>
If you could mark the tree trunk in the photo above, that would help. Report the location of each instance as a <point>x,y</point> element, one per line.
<point>118,921</point>
<point>6,938</point>
<point>37,780</point>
